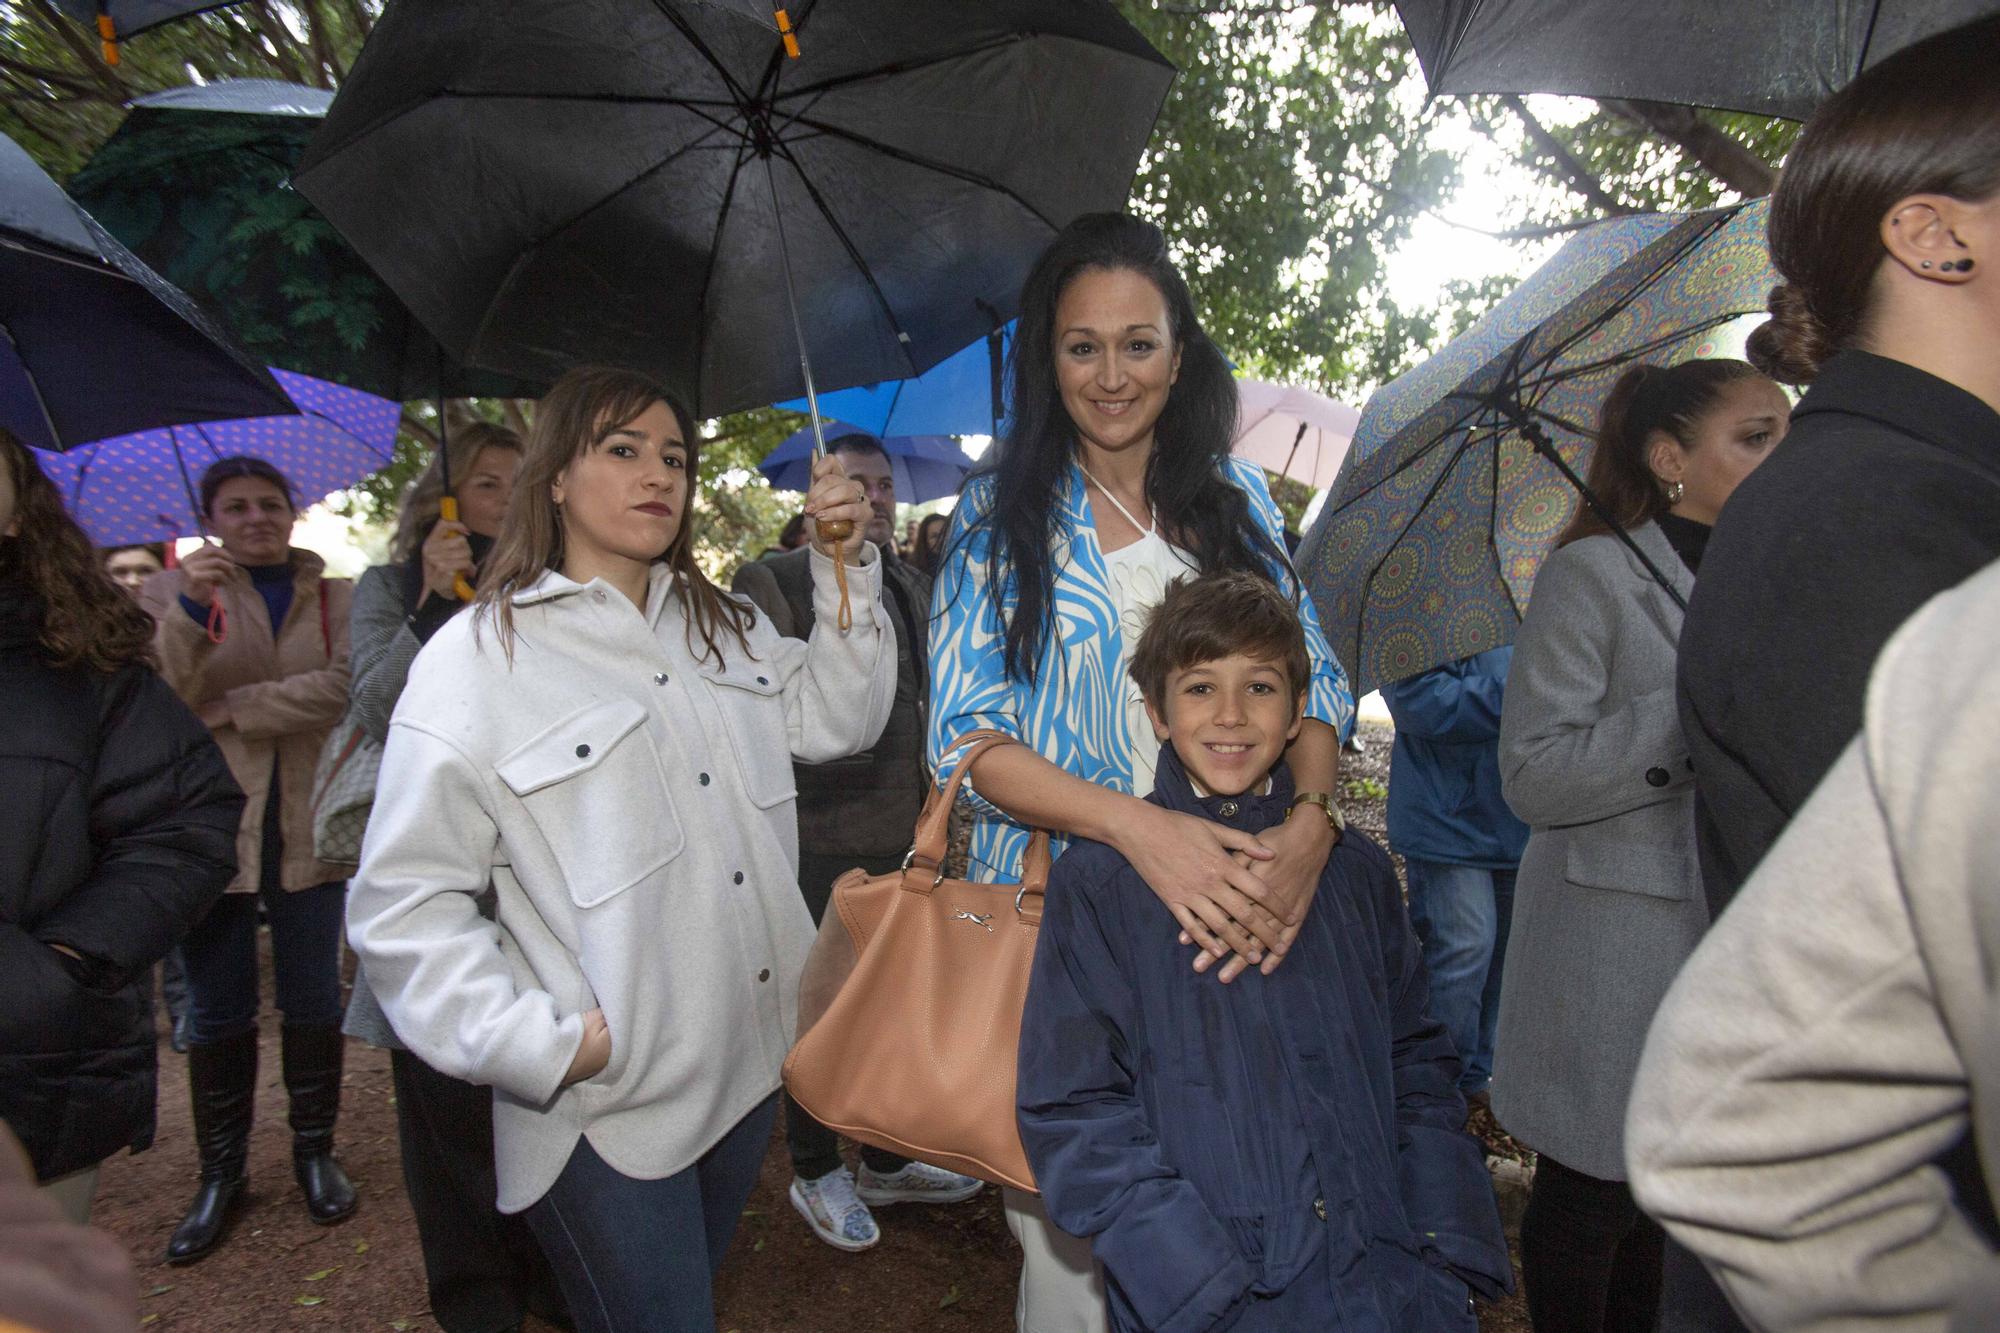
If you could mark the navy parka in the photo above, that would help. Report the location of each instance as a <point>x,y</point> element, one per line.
<point>1280,1153</point>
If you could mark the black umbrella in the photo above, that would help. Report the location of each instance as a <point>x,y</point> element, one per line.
<point>118,19</point>
<point>628,181</point>
<point>197,181</point>
<point>1774,58</point>
<point>92,342</point>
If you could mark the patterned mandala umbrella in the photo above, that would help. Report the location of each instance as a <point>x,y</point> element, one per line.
<point>1463,472</point>
<point>141,487</point>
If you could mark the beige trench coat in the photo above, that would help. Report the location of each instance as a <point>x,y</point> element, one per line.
<point>283,694</point>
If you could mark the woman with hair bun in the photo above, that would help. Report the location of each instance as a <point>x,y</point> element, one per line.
<point>1886,230</point>
<point>1607,904</point>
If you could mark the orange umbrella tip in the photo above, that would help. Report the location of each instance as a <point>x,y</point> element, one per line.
<point>107,33</point>
<point>785,31</point>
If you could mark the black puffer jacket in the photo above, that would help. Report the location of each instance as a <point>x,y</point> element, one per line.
<point>117,832</point>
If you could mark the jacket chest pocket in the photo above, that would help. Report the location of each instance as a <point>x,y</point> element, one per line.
<point>750,697</point>
<point>593,785</point>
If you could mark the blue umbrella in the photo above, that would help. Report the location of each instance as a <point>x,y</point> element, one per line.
<point>926,467</point>
<point>961,395</point>
<point>141,487</point>
<point>1463,472</point>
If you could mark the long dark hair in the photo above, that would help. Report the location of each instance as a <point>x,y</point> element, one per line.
<point>87,620</point>
<point>1924,121</point>
<point>578,411</point>
<point>1195,502</point>
<point>1646,399</point>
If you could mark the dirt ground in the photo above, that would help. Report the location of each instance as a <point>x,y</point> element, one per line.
<point>937,1270</point>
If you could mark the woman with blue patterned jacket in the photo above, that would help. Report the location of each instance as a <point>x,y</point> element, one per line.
<point>1114,479</point>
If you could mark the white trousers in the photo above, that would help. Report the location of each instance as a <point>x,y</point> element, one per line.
<point>1062,1286</point>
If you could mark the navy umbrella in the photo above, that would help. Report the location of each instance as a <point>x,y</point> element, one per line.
<point>92,342</point>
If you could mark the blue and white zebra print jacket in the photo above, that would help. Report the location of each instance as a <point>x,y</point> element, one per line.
<point>1073,713</point>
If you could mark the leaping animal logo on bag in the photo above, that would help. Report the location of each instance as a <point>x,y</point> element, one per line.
<point>975,919</point>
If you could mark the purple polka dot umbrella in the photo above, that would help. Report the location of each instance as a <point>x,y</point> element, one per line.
<point>143,487</point>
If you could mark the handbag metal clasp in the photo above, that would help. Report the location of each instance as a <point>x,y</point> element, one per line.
<point>910,858</point>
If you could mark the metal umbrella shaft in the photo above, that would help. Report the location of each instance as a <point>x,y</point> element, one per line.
<point>839,530</point>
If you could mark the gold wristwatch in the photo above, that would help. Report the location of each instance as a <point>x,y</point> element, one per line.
<point>1324,800</point>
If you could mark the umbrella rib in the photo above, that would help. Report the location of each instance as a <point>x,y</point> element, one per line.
<point>708,264</point>
<point>680,22</point>
<point>929,164</point>
<point>1651,278</point>
<point>899,68</point>
<point>853,253</point>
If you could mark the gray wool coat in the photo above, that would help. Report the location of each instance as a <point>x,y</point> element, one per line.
<point>1608,903</point>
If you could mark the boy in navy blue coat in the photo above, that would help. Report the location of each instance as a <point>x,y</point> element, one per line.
<point>1285,1152</point>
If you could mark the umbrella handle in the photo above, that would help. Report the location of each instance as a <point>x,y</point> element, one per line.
<point>107,38</point>
<point>837,532</point>
<point>448,511</point>
<point>785,31</point>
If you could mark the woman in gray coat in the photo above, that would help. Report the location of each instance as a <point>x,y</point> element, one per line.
<point>1608,903</point>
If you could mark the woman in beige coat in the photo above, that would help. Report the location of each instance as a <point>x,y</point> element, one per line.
<point>254,638</point>
<point>1838,1032</point>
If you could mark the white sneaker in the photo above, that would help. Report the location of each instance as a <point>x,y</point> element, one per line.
<point>916,1183</point>
<point>835,1215</point>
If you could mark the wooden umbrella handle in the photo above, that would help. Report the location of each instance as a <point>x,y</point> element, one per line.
<point>837,531</point>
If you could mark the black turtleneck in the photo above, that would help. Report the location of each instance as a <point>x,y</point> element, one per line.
<point>1688,537</point>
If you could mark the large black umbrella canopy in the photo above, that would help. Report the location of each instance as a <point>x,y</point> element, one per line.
<point>129,18</point>
<point>197,182</point>
<point>92,342</point>
<point>1772,58</point>
<point>605,180</point>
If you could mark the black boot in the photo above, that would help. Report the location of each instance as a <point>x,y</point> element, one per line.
<point>312,1077</point>
<point>222,1083</point>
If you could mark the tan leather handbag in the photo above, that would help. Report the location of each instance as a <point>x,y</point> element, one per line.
<point>910,1003</point>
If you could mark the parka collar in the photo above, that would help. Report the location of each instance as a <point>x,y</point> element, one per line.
<point>1249,813</point>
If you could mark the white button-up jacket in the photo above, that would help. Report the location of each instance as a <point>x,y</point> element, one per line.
<point>632,804</point>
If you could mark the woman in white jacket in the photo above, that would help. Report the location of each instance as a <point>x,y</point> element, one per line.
<point>607,741</point>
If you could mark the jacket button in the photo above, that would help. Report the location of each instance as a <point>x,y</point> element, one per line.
<point>762,681</point>
<point>764,974</point>
<point>1227,810</point>
<point>599,594</point>
<point>1657,777</point>
<point>703,779</point>
<point>1319,1209</point>
<point>659,677</point>
<point>738,877</point>
<point>583,752</point>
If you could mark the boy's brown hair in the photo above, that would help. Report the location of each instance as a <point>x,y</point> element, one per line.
<point>1221,615</point>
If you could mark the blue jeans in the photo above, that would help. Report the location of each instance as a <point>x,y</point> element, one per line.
<point>1461,914</point>
<point>220,955</point>
<point>640,1256</point>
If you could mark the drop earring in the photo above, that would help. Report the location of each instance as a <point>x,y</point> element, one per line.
<point>1675,490</point>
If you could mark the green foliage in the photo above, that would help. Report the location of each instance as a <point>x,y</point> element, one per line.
<point>1289,158</point>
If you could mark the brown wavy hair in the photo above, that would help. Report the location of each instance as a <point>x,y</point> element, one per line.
<point>1216,616</point>
<point>419,512</point>
<point>87,620</point>
<point>1646,399</point>
<point>584,406</point>
<point>1924,121</point>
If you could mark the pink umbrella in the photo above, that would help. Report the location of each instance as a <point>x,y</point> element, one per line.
<point>1294,432</point>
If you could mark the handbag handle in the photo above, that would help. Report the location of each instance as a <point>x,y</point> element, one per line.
<point>923,868</point>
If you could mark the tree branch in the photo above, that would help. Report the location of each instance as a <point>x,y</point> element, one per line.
<point>280,42</point>
<point>419,429</point>
<point>1570,168</point>
<point>515,416</point>
<point>1702,141</point>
